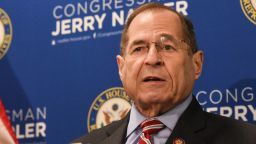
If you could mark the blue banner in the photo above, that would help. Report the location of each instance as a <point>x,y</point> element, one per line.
<point>58,71</point>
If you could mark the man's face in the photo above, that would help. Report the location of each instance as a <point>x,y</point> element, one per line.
<point>153,75</point>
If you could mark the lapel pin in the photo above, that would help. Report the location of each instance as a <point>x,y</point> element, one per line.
<point>178,141</point>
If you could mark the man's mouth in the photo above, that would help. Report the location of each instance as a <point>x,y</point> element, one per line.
<point>152,79</point>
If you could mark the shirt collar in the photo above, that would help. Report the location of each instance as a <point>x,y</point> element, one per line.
<point>169,119</point>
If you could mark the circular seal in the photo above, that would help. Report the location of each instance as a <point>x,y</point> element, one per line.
<point>5,33</point>
<point>111,105</point>
<point>249,9</point>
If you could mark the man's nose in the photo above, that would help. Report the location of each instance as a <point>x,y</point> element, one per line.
<point>153,57</point>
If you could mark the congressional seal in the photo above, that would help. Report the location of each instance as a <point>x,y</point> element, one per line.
<point>249,9</point>
<point>5,33</point>
<point>110,105</point>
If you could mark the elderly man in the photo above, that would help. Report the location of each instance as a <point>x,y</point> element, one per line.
<point>158,65</point>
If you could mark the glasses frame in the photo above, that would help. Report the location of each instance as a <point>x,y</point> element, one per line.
<point>172,45</point>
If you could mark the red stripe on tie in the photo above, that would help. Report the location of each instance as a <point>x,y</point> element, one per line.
<point>149,127</point>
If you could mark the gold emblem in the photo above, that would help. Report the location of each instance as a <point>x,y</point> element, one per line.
<point>111,105</point>
<point>249,9</point>
<point>5,33</point>
<point>178,141</point>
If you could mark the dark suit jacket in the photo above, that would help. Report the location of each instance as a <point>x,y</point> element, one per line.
<point>194,126</point>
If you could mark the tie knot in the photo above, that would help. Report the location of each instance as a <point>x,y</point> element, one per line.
<point>151,126</point>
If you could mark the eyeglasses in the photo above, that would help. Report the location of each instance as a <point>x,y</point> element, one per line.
<point>165,44</point>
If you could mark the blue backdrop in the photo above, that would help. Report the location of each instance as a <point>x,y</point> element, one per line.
<point>61,61</point>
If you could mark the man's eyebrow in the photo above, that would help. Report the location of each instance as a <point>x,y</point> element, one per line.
<point>168,36</point>
<point>138,42</point>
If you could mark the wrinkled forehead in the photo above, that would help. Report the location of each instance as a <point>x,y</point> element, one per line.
<point>152,24</point>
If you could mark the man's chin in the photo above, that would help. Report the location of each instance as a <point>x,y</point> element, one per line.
<point>150,100</point>
<point>152,97</point>
<point>149,108</point>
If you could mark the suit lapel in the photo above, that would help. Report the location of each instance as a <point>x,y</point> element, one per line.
<point>117,136</point>
<point>189,124</point>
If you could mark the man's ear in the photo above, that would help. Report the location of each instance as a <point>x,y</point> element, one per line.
<point>120,63</point>
<point>198,59</point>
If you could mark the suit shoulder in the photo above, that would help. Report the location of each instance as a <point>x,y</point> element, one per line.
<point>98,134</point>
<point>229,124</point>
<point>223,119</point>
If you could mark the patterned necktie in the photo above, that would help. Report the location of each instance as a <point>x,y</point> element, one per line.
<point>149,127</point>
